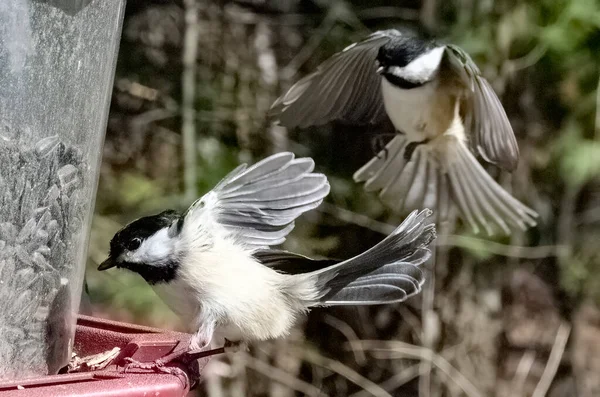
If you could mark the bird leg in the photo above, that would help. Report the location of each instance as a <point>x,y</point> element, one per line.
<point>196,350</point>
<point>234,347</point>
<point>185,356</point>
<point>410,148</point>
<point>160,366</point>
<point>378,144</point>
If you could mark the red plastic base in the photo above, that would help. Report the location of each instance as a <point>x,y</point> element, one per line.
<point>95,336</point>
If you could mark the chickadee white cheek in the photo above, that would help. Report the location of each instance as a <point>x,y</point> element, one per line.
<point>154,249</point>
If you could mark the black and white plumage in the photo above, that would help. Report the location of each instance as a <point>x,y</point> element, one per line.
<point>214,265</point>
<point>437,99</point>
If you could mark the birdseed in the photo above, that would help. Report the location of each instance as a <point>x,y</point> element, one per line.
<point>41,218</point>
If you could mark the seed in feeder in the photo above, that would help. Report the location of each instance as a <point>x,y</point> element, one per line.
<point>41,262</point>
<point>26,231</point>
<point>8,231</point>
<point>67,177</point>
<point>45,146</point>
<point>52,195</point>
<point>39,242</point>
<point>44,250</point>
<point>52,228</point>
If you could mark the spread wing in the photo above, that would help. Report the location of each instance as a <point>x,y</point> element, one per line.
<point>258,205</point>
<point>494,137</point>
<point>290,263</point>
<point>346,87</point>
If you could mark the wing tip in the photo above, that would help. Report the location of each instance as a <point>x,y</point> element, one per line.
<point>508,159</point>
<point>483,203</point>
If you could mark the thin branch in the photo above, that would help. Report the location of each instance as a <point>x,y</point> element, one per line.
<point>454,240</point>
<point>152,116</point>
<point>597,119</point>
<point>315,358</point>
<point>511,251</point>
<point>407,14</point>
<point>558,349</point>
<point>522,372</point>
<point>311,45</point>
<point>281,376</point>
<point>430,330</point>
<point>349,334</point>
<point>406,350</point>
<point>428,14</point>
<point>396,381</point>
<point>526,61</point>
<point>357,219</point>
<point>188,91</point>
<point>406,375</point>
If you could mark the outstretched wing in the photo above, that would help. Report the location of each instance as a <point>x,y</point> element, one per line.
<point>494,137</point>
<point>346,87</point>
<point>258,204</point>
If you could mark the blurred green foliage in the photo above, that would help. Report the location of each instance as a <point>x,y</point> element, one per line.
<point>549,48</point>
<point>542,57</point>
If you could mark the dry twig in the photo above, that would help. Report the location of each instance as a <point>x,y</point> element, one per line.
<point>349,334</point>
<point>281,376</point>
<point>454,240</point>
<point>188,108</point>
<point>315,358</point>
<point>522,372</point>
<point>406,350</point>
<point>558,349</point>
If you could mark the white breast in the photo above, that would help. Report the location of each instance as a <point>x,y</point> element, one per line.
<point>226,285</point>
<point>410,110</point>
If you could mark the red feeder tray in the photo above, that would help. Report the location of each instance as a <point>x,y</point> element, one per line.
<point>94,336</point>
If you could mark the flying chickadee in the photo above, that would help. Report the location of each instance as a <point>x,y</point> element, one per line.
<point>214,265</point>
<point>437,99</point>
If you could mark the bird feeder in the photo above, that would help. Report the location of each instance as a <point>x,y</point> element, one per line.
<point>96,370</point>
<point>57,64</point>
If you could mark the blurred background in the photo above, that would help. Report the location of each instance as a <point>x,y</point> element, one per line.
<point>512,316</point>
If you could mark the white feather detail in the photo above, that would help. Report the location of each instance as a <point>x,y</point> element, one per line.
<point>153,250</point>
<point>422,68</point>
<point>219,281</point>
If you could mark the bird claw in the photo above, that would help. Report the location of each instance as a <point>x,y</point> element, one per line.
<point>134,364</point>
<point>378,145</point>
<point>234,347</point>
<point>411,147</point>
<point>156,366</point>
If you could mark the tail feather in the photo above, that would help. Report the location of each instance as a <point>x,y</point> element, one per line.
<point>490,199</point>
<point>407,185</point>
<point>441,174</point>
<point>394,284</point>
<point>386,273</point>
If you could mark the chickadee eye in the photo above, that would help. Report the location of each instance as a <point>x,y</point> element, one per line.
<point>134,244</point>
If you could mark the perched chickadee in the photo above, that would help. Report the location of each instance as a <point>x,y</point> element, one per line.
<point>436,97</point>
<point>214,265</point>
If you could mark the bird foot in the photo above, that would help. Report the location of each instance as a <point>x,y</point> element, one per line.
<point>378,145</point>
<point>166,365</point>
<point>411,147</point>
<point>234,347</point>
<point>158,366</point>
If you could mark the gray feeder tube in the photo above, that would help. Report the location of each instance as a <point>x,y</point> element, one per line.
<point>57,63</point>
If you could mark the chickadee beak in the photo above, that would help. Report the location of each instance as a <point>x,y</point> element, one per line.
<point>380,69</point>
<point>107,264</point>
